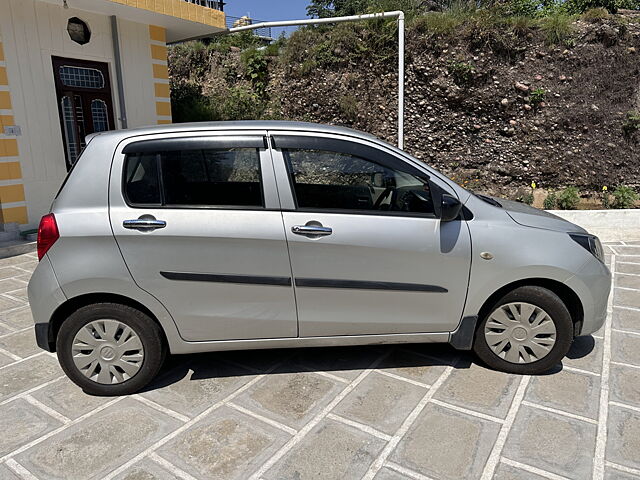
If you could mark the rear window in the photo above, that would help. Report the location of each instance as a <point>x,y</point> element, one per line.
<point>228,177</point>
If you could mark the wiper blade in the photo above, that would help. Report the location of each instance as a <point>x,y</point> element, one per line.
<point>489,200</point>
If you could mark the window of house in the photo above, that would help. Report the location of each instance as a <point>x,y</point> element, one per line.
<point>198,178</point>
<point>326,180</point>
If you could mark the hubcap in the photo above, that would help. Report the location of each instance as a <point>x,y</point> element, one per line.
<point>520,332</point>
<point>107,351</point>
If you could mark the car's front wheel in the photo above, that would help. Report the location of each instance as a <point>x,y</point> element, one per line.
<point>527,331</point>
<point>110,349</point>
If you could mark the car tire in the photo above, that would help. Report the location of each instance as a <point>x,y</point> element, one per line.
<point>142,363</point>
<point>523,338</point>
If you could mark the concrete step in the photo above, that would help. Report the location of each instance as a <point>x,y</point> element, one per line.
<point>16,247</point>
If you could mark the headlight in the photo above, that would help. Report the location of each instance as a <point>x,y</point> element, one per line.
<point>591,243</point>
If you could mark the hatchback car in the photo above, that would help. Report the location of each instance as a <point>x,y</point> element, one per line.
<point>248,235</point>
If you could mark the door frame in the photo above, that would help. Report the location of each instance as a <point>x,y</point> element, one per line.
<point>105,94</point>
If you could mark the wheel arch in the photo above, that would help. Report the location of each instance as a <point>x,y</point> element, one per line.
<point>566,294</point>
<point>75,303</point>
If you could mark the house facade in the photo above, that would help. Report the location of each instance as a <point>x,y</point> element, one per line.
<point>69,68</point>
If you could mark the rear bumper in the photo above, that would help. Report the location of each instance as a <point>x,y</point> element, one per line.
<point>592,284</point>
<point>45,296</point>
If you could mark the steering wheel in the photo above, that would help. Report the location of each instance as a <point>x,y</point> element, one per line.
<point>382,197</point>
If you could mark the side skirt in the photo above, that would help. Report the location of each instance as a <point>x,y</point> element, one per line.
<point>259,344</point>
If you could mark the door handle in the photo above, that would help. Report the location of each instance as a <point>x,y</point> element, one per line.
<point>144,223</point>
<point>311,230</point>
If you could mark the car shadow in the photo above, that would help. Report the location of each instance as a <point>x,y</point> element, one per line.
<point>345,362</point>
<point>409,360</point>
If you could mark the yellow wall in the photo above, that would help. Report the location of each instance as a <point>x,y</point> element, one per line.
<point>157,39</point>
<point>12,200</point>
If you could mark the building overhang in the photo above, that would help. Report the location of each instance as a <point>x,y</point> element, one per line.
<point>182,20</point>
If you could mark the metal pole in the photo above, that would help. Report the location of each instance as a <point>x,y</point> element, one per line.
<point>354,18</point>
<point>401,81</point>
<point>118,64</point>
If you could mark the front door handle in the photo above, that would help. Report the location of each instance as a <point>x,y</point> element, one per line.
<point>144,223</point>
<point>311,230</point>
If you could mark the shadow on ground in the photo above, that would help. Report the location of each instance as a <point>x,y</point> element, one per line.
<point>327,359</point>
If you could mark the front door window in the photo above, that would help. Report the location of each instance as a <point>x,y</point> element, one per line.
<point>85,102</point>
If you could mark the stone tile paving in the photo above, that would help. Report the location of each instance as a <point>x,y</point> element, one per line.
<point>384,413</point>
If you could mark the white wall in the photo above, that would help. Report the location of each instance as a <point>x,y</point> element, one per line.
<point>33,32</point>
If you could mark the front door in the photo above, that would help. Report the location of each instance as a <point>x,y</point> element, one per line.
<point>85,103</point>
<point>197,220</point>
<point>368,253</point>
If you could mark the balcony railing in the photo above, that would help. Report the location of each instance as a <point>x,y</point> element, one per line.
<point>215,4</point>
<point>241,21</point>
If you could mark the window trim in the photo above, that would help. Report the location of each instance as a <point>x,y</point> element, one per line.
<point>284,143</point>
<point>157,147</point>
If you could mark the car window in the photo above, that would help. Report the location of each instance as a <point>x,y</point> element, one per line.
<point>195,177</point>
<point>341,181</point>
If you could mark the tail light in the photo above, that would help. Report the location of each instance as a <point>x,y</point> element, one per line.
<point>47,234</point>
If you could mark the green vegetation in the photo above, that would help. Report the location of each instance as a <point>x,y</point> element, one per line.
<point>624,197</point>
<point>557,28</point>
<point>631,123</point>
<point>551,201</point>
<point>461,72</point>
<point>568,199</point>
<point>537,96</point>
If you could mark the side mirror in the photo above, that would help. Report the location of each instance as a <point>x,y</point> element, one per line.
<point>450,208</point>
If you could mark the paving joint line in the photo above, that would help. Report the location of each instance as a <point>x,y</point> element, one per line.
<point>20,470</point>
<point>160,408</point>
<point>603,411</point>
<point>406,471</point>
<point>622,364</point>
<point>557,411</point>
<point>167,465</point>
<point>625,406</point>
<point>360,426</point>
<point>13,356</point>
<point>5,335</point>
<point>498,446</point>
<point>24,359</point>
<point>20,395</point>
<point>262,418</point>
<point>47,409</point>
<point>467,411</point>
<point>623,468</point>
<point>403,379</point>
<point>532,469</point>
<point>329,375</point>
<point>629,332</point>
<point>580,370</point>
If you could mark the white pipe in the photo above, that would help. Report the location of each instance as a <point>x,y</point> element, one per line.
<point>354,18</point>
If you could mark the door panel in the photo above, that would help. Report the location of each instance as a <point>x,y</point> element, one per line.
<point>406,275</point>
<point>223,273</point>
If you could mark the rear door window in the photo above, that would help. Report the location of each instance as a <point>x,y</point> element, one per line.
<point>194,177</point>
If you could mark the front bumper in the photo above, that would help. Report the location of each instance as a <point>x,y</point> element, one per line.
<point>592,284</point>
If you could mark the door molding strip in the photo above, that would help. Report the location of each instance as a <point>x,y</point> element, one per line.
<point>238,279</point>
<point>368,285</point>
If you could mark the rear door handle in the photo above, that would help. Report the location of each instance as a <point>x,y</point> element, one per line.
<point>311,230</point>
<point>144,223</point>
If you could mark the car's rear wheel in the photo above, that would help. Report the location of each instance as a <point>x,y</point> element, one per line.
<point>110,349</point>
<point>527,331</point>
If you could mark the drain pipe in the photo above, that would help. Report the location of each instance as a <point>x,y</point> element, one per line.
<point>117,60</point>
<point>354,18</point>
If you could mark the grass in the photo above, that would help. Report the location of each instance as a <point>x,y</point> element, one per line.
<point>557,28</point>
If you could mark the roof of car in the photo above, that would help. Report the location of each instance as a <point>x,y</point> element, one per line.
<point>241,125</point>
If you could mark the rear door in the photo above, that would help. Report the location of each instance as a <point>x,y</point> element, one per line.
<point>369,254</point>
<point>197,220</point>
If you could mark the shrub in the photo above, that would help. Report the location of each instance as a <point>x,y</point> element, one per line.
<point>349,107</point>
<point>568,199</point>
<point>595,14</point>
<point>624,197</point>
<point>631,124</point>
<point>461,72</point>
<point>580,6</point>
<point>550,201</point>
<point>557,28</point>
<point>255,64</point>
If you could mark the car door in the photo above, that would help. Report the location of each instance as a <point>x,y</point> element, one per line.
<point>198,222</point>
<point>369,254</point>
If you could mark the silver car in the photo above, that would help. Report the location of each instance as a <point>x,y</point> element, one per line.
<point>247,235</point>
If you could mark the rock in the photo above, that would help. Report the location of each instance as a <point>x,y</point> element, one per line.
<point>521,86</point>
<point>538,77</point>
<point>527,107</point>
<point>504,102</point>
<point>631,49</point>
